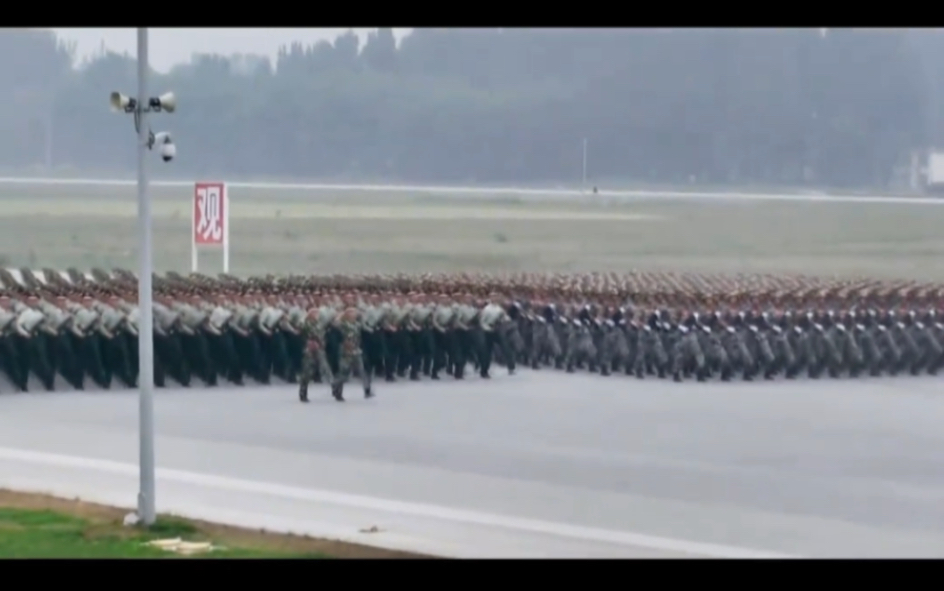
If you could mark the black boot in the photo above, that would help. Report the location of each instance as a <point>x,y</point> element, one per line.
<point>337,390</point>
<point>368,393</point>
<point>303,392</point>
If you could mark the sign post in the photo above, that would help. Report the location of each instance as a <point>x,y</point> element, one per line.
<point>210,221</point>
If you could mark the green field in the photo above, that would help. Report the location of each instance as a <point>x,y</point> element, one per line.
<point>48,534</point>
<point>320,231</point>
<point>41,526</point>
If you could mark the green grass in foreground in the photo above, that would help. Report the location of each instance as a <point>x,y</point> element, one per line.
<point>49,534</point>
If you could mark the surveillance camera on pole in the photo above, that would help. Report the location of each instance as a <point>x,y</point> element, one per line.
<point>165,103</point>
<point>140,107</point>
<point>163,139</point>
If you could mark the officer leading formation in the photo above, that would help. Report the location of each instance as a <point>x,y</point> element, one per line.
<point>329,329</point>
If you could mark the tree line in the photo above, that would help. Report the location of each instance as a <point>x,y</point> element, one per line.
<point>729,106</point>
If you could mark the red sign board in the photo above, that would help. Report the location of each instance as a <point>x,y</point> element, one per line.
<point>209,213</point>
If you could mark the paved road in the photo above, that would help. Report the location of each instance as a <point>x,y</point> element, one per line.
<point>37,188</point>
<point>537,464</point>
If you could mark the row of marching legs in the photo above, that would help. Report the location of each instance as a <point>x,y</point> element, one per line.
<point>77,360</point>
<point>110,362</point>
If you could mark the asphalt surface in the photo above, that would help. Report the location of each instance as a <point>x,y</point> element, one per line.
<point>123,189</point>
<point>536,464</point>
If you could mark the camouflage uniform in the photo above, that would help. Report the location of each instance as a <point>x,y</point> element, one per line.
<point>315,357</point>
<point>350,358</point>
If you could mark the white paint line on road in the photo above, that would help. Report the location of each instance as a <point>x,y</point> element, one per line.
<point>493,191</point>
<point>394,507</point>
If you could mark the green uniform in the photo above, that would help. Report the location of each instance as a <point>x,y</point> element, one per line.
<point>315,357</point>
<point>9,353</point>
<point>422,336</point>
<point>351,357</point>
<point>373,345</point>
<point>443,337</point>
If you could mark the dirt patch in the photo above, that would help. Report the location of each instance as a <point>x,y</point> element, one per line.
<point>108,519</point>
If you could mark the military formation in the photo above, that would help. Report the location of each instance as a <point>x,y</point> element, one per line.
<point>83,327</point>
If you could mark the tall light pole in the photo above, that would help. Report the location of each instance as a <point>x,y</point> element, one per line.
<point>584,162</point>
<point>139,108</point>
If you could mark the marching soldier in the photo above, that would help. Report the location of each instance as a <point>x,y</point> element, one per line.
<point>391,338</point>
<point>444,344</point>
<point>650,351</point>
<point>222,345</point>
<point>492,322</point>
<point>852,359</point>
<point>784,357</point>
<point>275,355</point>
<point>350,358</point>
<point>407,355</point>
<point>9,352</point>
<point>580,347</point>
<point>371,339</point>
<point>546,348</point>
<point>314,335</point>
<point>34,355</point>
<point>112,346</point>
<point>422,338</point>
<point>716,358</point>
<point>291,326</point>
<point>245,323</point>
<point>687,355</point>
<point>738,352</point>
<point>871,353</point>
<point>761,351</point>
<point>167,352</point>
<point>613,348</point>
<point>466,350</point>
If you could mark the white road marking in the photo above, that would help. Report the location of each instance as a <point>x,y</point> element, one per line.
<point>301,210</point>
<point>343,500</point>
<point>493,191</point>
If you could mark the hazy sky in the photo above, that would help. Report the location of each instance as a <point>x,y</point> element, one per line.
<point>172,46</point>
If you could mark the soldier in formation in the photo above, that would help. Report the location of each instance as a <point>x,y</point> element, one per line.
<point>83,327</point>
